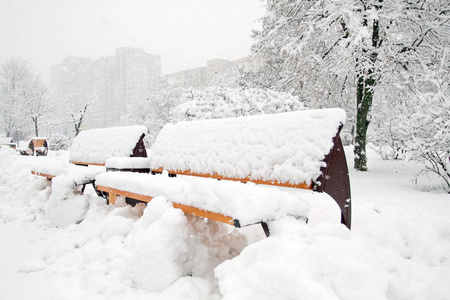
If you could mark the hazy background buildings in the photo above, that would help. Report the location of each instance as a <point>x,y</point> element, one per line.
<point>110,84</point>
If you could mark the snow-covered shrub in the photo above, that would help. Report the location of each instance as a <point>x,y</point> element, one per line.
<point>59,142</point>
<point>388,113</point>
<point>346,137</point>
<point>222,102</point>
<point>427,131</point>
<point>153,112</point>
<point>386,138</point>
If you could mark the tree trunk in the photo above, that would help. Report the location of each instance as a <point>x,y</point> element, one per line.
<point>80,120</point>
<point>77,130</point>
<point>364,97</point>
<point>36,130</point>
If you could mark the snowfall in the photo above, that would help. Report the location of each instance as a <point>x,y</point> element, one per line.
<point>398,248</point>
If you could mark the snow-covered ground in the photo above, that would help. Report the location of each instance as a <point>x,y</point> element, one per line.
<point>399,246</point>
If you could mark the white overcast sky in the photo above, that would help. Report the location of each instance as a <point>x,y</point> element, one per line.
<point>185,33</point>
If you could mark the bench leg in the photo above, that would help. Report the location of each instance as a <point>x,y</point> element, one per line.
<point>99,193</point>
<point>265,228</point>
<point>112,198</point>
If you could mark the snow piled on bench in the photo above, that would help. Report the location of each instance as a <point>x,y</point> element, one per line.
<point>287,147</point>
<point>97,145</point>
<point>49,166</point>
<point>77,175</point>
<point>249,203</point>
<point>5,140</point>
<point>128,163</point>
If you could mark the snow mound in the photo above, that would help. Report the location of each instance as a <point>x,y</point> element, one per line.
<point>65,206</point>
<point>287,147</point>
<point>154,250</point>
<point>49,165</point>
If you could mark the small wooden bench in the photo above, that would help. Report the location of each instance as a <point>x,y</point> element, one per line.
<point>36,146</point>
<point>7,142</point>
<point>92,148</point>
<point>300,150</point>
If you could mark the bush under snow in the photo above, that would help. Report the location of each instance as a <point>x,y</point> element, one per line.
<point>222,102</point>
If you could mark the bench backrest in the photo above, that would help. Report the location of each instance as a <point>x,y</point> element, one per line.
<point>5,140</point>
<point>38,142</point>
<point>95,146</point>
<point>300,149</point>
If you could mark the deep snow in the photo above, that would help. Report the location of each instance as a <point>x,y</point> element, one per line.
<point>399,246</point>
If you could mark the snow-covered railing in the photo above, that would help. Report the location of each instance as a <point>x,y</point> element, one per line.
<point>300,149</point>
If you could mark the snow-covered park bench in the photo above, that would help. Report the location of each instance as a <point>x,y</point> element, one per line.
<point>270,153</point>
<point>89,152</point>
<point>7,142</point>
<point>36,146</point>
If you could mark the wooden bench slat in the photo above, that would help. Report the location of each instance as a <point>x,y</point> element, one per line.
<point>303,185</point>
<point>48,176</point>
<point>86,164</point>
<point>124,193</point>
<point>185,208</point>
<point>207,214</point>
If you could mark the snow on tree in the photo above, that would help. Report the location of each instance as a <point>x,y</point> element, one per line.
<point>79,111</point>
<point>391,109</point>
<point>36,102</point>
<point>426,131</point>
<point>331,52</point>
<point>153,112</point>
<point>59,142</point>
<point>77,116</point>
<point>222,102</point>
<point>23,98</point>
<point>14,74</point>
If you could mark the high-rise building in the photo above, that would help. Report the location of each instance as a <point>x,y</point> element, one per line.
<point>71,80</point>
<point>138,73</point>
<point>204,76</point>
<point>109,84</point>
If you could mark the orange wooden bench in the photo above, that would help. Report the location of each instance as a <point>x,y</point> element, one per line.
<point>299,150</point>
<point>36,146</point>
<point>92,148</point>
<point>7,142</point>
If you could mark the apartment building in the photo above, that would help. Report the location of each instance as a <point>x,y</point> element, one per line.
<point>109,83</point>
